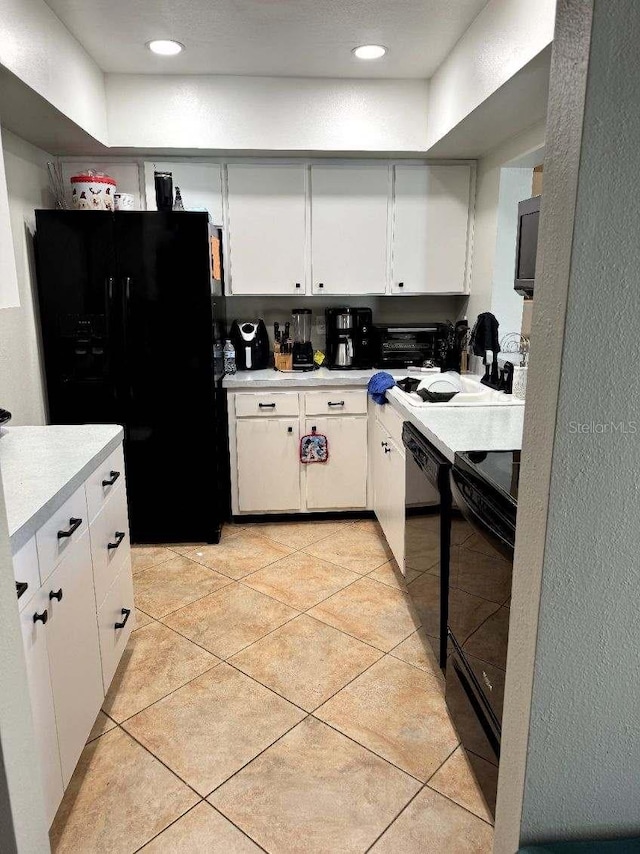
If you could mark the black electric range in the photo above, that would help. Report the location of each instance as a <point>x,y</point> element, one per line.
<point>484,485</point>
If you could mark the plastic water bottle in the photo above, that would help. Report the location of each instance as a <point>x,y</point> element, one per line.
<point>229,356</point>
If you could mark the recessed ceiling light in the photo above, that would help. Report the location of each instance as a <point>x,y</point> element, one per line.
<point>369,51</point>
<point>165,47</point>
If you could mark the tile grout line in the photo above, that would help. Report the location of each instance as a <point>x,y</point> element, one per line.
<point>175,820</point>
<point>237,826</point>
<point>393,821</point>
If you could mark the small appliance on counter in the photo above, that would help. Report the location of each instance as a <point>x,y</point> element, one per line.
<point>404,345</point>
<point>302,346</point>
<point>251,344</point>
<point>349,338</point>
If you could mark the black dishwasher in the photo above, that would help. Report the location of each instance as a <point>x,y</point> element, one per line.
<point>484,486</point>
<point>427,535</point>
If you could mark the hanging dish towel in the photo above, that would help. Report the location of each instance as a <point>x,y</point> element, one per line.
<point>314,448</point>
<point>378,384</point>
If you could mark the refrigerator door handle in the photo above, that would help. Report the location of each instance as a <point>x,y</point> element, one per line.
<point>127,288</point>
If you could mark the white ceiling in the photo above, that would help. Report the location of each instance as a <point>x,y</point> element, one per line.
<point>297,38</point>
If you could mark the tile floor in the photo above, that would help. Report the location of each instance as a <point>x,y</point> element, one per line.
<point>277,696</point>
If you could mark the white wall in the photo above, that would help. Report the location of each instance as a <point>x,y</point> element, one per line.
<point>504,37</point>
<point>21,383</point>
<point>266,114</point>
<point>9,294</point>
<point>506,304</point>
<point>485,237</point>
<point>38,48</point>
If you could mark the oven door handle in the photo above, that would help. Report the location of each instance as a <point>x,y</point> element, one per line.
<point>489,532</point>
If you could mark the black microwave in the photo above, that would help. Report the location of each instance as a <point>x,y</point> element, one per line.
<point>527,245</point>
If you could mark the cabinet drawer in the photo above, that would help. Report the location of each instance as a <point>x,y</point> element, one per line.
<point>57,536</point>
<point>109,549</point>
<point>116,609</point>
<point>336,402</point>
<point>280,403</point>
<point>109,542</point>
<point>25,571</point>
<point>392,423</point>
<point>103,481</point>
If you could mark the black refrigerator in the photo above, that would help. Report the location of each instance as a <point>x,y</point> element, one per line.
<point>131,306</point>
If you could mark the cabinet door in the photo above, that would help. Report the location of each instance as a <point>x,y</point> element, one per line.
<point>267,225</point>
<point>378,470</point>
<point>349,209</point>
<point>394,486</point>
<point>430,227</point>
<point>341,482</point>
<point>34,639</point>
<point>74,653</point>
<point>200,185</point>
<point>268,455</point>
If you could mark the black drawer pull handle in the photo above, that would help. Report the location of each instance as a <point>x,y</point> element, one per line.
<point>266,406</point>
<point>21,588</point>
<point>120,535</point>
<point>113,476</point>
<point>74,525</point>
<point>55,594</point>
<point>125,613</point>
<point>41,618</point>
<point>338,403</point>
<point>384,444</point>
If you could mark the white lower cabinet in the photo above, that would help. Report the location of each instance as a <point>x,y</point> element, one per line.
<point>268,465</point>
<point>34,621</point>
<point>74,653</point>
<point>72,647</point>
<point>340,483</point>
<point>388,470</point>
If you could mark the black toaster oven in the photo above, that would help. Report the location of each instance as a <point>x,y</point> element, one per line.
<point>401,345</point>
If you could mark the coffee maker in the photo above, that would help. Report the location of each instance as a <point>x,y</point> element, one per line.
<point>349,338</point>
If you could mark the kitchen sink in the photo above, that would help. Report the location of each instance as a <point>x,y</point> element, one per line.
<point>473,393</point>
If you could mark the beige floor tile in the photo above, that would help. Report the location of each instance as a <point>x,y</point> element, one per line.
<point>142,619</point>
<point>456,781</point>
<point>213,726</point>
<point>201,831</point>
<point>306,661</point>
<point>315,791</point>
<point>240,554</point>
<point>399,713</point>
<point>227,621</point>
<point>355,548</point>
<point>461,530</point>
<point>143,557</point>
<point>369,525</point>
<point>372,612</point>
<point>389,573</point>
<point>300,580</point>
<point>432,824</point>
<point>102,724</point>
<point>119,798</point>
<point>173,584</point>
<point>297,535</point>
<point>417,650</point>
<point>155,662</point>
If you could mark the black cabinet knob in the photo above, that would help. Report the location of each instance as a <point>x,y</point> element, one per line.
<point>298,285</point>
<point>120,535</point>
<point>401,284</point>
<point>126,612</point>
<point>321,284</point>
<point>41,618</point>
<point>289,429</point>
<point>55,594</point>
<point>74,524</point>
<point>113,476</point>
<point>387,450</point>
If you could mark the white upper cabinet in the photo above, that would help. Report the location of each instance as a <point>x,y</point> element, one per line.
<point>200,185</point>
<point>349,228</point>
<point>430,228</point>
<point>267,226</point>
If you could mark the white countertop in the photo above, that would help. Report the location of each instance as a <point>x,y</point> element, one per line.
<point>269,378</point>
<point>43,466</point>
<point>473,428</point>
